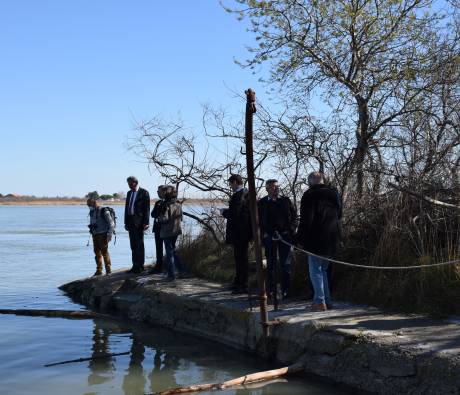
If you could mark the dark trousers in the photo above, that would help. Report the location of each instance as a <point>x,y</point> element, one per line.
<point>240,251</point>
<point>159,249</point>
<point>275,252</point>
<point>136,241</point>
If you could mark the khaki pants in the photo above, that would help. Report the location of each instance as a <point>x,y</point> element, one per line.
<point>101,250</point>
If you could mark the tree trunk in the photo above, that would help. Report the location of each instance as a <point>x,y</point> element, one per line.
<point>362,136</point>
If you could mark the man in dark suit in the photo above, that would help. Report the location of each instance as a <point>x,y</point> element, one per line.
<point>239,231</point>
<point>137,215</point>
<point>277,214</point>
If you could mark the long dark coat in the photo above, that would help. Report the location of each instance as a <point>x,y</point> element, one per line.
<point>238,217</point>
<point>156,212</point>
<point>319,227</point>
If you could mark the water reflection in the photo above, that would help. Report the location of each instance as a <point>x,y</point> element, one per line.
<point>163,373</point>
<point>101,370</point>
<point>159,359</point>
<point>134,380</point>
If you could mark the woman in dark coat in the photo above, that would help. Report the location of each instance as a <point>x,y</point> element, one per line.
<point>170,228</point>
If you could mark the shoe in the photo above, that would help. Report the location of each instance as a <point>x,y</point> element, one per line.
<point>98,273</point>
<point>156,270</point>
<point>170,279</point>
<point>318,307</point>
<point>136,270</point>
<point>329,306</point>
<point>239,290</point>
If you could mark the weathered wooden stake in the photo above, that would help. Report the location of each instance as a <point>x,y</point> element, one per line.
<point>250,110</point>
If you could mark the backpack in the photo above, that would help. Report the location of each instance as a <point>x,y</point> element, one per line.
<point>114,218</point>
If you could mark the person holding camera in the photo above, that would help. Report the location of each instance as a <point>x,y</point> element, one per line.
<point>170,218</point>
<point>101,226</point>
<point>156,228</point>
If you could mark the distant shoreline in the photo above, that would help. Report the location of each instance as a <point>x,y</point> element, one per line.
<point>82,202</point>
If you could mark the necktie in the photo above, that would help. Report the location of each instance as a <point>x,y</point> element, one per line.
<point>131,203</point>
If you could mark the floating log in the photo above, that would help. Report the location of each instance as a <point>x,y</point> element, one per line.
<point>93,358</point>
<point>72,314</point>
<point>250,378</point>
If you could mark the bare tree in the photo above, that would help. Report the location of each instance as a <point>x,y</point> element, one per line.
<point>367,58</point>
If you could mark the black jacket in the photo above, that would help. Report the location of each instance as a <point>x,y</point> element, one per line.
<point>238,217</point>
<point>319,228</point>
<point>278,215</point>
<point>141,208</point>
<point>156,212</point>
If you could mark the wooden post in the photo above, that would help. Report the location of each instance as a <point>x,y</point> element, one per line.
<point>250,110</point>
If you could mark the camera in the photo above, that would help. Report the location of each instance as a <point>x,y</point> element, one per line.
<point>92,228</point>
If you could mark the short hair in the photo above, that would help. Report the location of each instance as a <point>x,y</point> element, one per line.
<point>270,182</point>
<point>132,179</point>
<point>316,178</point>
<point>170,192</point>
<point>235,178</point>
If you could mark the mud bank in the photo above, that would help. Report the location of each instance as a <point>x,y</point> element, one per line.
<point>358,346</point>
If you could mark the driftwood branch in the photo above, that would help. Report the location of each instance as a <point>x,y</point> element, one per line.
<point>73,314</point>
<point>250,378</point>
<point>95,357</point>
<point>424,198</point>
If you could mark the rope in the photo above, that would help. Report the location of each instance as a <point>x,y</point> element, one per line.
<point>277,237</point>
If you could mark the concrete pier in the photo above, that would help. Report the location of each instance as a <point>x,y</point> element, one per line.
<point>362,347</point>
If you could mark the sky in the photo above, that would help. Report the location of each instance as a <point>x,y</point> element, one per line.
<point>75,75</point>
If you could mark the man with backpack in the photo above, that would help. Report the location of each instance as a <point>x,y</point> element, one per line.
<point>102,227</point>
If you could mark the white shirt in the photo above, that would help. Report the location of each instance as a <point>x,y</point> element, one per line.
<point>132,200</point>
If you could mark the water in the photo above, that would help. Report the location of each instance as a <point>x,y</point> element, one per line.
<point>42,247</point>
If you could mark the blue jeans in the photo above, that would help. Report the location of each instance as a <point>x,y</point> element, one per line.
<point>173,260</point>
<point>318,277</point>
<point>275,250</point>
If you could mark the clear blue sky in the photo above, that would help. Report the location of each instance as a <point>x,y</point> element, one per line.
<point>73,73</point>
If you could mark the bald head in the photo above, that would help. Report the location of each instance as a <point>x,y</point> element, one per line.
<point>316,178</point>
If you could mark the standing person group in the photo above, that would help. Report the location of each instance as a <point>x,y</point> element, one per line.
<point>167,217</point>
<point>318,232</point>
